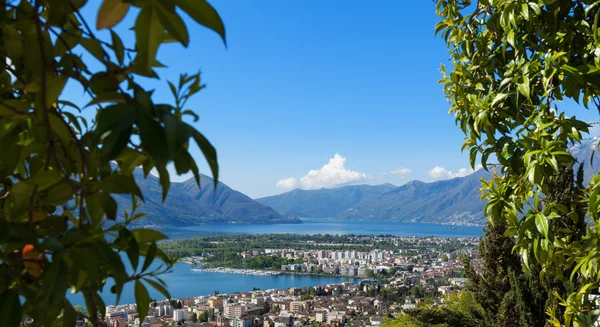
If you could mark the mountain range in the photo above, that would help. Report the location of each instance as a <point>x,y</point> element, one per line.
<point>454,201</point>
<point>187,204</point>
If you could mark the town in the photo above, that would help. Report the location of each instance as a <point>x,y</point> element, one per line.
<point>387,283</point>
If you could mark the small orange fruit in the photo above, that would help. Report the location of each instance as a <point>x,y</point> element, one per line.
<point>33,268</point>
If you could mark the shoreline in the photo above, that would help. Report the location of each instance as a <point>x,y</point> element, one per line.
<point>264,272</point>
<point>254,272</point>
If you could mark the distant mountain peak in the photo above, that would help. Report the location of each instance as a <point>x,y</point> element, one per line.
<point>190,204</point>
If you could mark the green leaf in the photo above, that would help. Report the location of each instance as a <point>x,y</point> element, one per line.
<point>173,90</point>
<point>114,143</point>
<point>177,134</point>
<point>66,41</point>
<point>54,88</point>
<point>183,162</point>
<point>118,47</point>
<point>209,153</point>
<point>110,206</point>
<point>133,252</point>
<point>60,129</point>
<point>142,299</point>
<point>130,159</point>
<point>510,37</point>
<point>111,12</point>
<point>149,34</point>
<point>154,141</point>
<point>69,104</point>
<point>94,47</point>
<point>114,117</point>
<point>157,286</point>
<point>204,14</point>
<point>10,310</point>
<point>165,181</point>
<point>499,97</point>
<point>171,21</point>
<point>100,303</point>
<point>524,88</point>
<point>58,12</point>
<point>553,162</point>
<point>121,184</point>
<point>55,282</point>
<point>94,207</point>
<point>45,179</point>
<point>525,11</point>
<point>149,256</point>
<point>144,236</point>
<point>535,8</point>
<point>112,260</point>
<point>525,256</point>
<point>542,224</point>
<point>108,96</point>
<point>473,157</point>
<point>90,304</point>
<point>59,194</point>
<point>69,319</point>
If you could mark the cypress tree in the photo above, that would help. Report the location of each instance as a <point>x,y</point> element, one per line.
<point>566,190</point>
<point>510,295</point>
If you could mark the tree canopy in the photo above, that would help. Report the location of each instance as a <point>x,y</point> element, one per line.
<point>514,64</point>
<point>60,226</point>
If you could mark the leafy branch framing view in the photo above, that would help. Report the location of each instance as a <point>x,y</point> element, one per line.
<point>513,65</point>
<point>59,229</point>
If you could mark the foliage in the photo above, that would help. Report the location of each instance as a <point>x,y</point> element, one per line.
<point>369,273</point>
<point>497,259</point>
<point>461,310</point>
<point>244,242</point>
<point>233,260</point>
<point>59,172</point>
<point>202,316</point>
<point>513,63</point>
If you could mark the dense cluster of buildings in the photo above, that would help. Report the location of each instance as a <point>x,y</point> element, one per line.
<point>364,264</point>
<point>335,305</point>
<point>361,303</point>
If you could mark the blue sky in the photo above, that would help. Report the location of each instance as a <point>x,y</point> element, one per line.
<point>302,81</point>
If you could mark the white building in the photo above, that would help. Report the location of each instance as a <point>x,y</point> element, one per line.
<point>321,316</point>
<point>179,315</point>
<point>237,322</point>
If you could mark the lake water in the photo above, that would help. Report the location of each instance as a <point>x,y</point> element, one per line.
<point>183,282</point>
<point>333,227</point>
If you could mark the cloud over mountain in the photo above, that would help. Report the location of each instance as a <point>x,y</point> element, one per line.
<point>286,183</point>
<point>438,172</point>
<point>332,174</point>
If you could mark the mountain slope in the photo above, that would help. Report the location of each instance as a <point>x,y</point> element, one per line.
<point>323,203</point>
<point>187,204</point>
<point>233,204</point>
<point>454,201</point>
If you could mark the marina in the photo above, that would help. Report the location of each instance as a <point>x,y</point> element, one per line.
<point>238,271</point>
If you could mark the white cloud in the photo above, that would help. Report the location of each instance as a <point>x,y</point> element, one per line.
<point>401,171</point>
<point>332,174</point>
<point>438,172</point>
<point>286,183</point>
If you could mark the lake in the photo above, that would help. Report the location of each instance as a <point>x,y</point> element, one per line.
<point>183,282</point>
<point>333,227</point>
